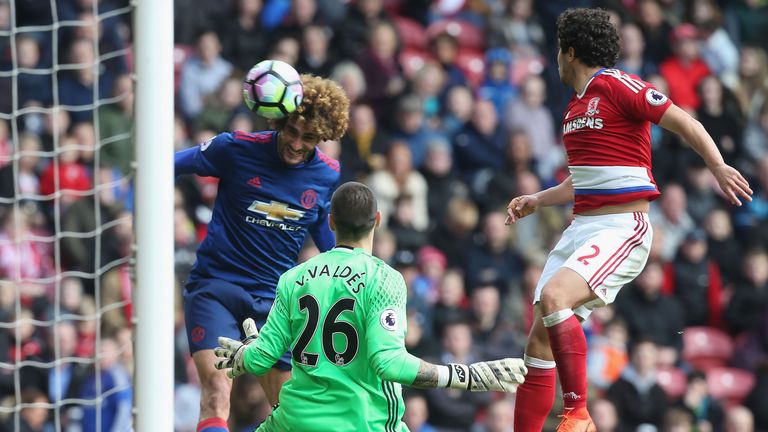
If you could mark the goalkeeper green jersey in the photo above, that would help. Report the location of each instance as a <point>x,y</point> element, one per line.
<point>342,313</point>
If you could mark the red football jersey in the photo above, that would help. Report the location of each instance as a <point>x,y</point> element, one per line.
<point>606,132</point>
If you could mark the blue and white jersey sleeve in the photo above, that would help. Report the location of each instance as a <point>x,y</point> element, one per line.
<point>209,159</point>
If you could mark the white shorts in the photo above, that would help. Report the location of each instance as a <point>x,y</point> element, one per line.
<point>608,251</point>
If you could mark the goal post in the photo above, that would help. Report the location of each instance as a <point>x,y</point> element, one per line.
<point>70,191</point>
<point>154,296</point>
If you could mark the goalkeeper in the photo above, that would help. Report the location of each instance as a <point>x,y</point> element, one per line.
<point>343,314</point>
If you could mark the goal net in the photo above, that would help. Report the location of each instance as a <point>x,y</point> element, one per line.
<point>66,202</point>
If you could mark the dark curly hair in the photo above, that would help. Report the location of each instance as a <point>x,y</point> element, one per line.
<point>591,35</point>
<point>325,108</point>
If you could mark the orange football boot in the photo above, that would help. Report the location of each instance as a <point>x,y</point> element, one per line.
<point>577,421</point>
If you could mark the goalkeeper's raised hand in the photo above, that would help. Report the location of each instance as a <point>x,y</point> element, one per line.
<point>230,351</point>
<point>498,375</point>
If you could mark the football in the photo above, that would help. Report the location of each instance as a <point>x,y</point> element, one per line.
<point>272,89</point>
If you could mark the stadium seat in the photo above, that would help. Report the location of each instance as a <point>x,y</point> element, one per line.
<point>392,7</point>
<point>472,63</point>
<point>730,385</point>
<point>412,33</point>
<point>706,347</point>
<point>468,35</point>
<point>411,60</point>
<point>673,380</point>
<point>526,65</point>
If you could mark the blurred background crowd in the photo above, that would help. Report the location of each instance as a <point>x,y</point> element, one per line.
<point>456,108</point>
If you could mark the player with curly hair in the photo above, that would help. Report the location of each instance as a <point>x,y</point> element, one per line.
<point>606,133</point>
<point>274,187</point>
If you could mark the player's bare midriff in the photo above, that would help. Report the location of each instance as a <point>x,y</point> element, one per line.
<point>640,205</point>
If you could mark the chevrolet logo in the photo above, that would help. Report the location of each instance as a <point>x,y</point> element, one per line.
<point>275,211</point>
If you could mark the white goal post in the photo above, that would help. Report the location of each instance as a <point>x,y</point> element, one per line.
<point>154,296</point>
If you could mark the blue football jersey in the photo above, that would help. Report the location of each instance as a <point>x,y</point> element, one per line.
<point>263,210</point>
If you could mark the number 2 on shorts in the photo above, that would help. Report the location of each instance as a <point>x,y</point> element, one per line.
<point>583,259</point>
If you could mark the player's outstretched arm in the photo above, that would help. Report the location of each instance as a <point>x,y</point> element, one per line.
<point>209,159</point>
<point>498,375</point>
<point>396,364</point>
<point>184,161</point>
<point>733,184</point>
<point>385,339</point>
<point>523,205</point>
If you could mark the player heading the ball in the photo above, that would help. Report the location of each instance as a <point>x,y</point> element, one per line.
<point>343,312</point>
<point>275,188</point>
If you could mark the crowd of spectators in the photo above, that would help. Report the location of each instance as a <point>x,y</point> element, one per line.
<point>456,107</point>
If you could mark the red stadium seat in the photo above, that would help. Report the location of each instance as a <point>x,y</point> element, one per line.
<point>392,7</point>
<point>412,33</point>
<point>673,380</point>
<point>730,385</point>
<point>472,63</point>
<point>706,347</point>
<point>411,60</point>
<point>468,35</point>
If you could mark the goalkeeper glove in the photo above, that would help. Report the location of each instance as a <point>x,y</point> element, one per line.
<point>498,375</point>
<point>231,352</point>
